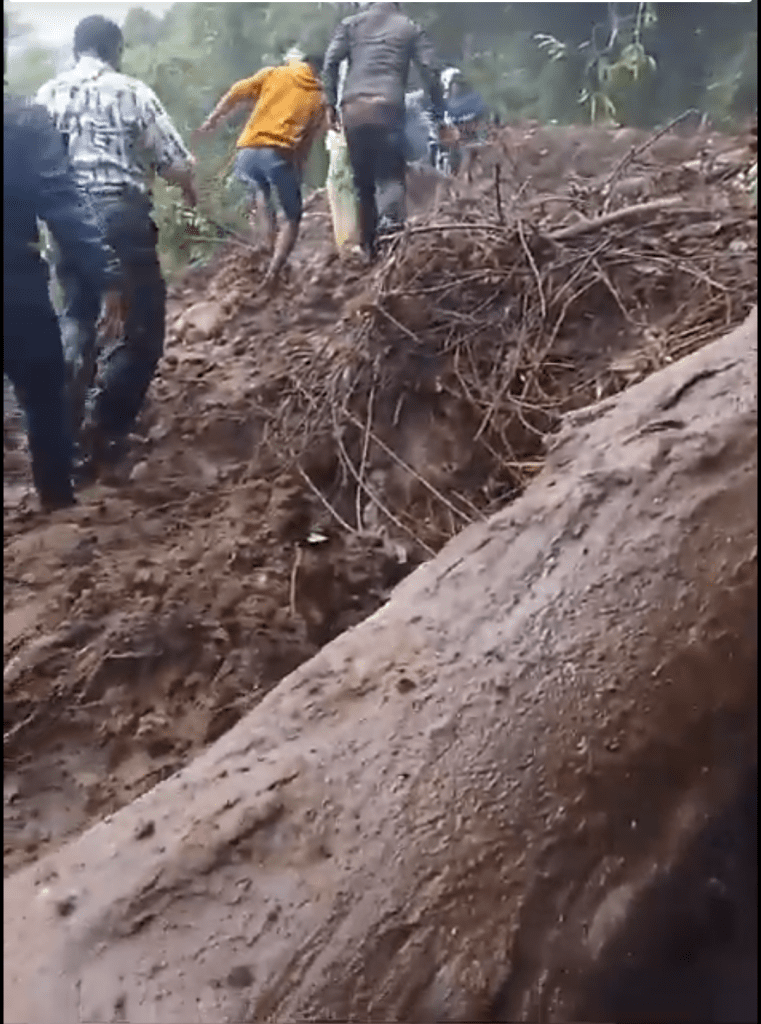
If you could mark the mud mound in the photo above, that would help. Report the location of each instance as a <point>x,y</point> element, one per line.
<point>525,790</point>
<point>426,402</point>
<point>302,453</point>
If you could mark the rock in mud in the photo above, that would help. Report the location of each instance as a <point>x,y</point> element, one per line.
<point>502,836</point>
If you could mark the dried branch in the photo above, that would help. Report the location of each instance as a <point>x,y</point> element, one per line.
<point>636,151</point>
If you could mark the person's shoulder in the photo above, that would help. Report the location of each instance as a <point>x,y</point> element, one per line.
<point>26,115</point>
<point>13,108</point>
<point>403,23</point>
<point>64,80</point>
<point>120,82</point>
<point>16,131</point>
<point>29,132</point>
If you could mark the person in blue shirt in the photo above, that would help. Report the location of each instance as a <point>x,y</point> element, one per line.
<point>38,186</point>
<point>467,112</point>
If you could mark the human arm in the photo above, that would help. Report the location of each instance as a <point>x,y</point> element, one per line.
<point>317,126</point>
<point>424,56</point>
<point>169,154</point>
<point>246,89</point>
<point>44,96</point>
<point>337,52</point>
<point>183,178</point>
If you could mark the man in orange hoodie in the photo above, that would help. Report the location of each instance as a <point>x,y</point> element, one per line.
<point>289,113</point>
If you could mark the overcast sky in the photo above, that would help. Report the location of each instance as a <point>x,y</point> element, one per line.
<point>54,23</point>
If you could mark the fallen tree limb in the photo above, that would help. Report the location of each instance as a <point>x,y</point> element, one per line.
<point>673,204</point>
<point>670,203</point>
<point>457,810</point>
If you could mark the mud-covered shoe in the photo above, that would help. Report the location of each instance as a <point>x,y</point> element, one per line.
<point>83,467</point>
<point>57,502</point>
<point>356,258</point>
<point>99,456</point>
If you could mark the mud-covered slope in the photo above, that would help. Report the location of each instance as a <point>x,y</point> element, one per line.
<point>465,808</point>
<point>302,453</point>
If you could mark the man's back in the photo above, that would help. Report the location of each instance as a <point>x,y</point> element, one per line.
<point>381,44</point>
<point>116,130</point>
<point>288,104</point>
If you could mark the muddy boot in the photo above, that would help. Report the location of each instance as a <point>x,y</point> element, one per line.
<point>57,502</point>
<point>356,258</point>
<point>100,456</point>
<point>388,233</point>
<point>109,451</point>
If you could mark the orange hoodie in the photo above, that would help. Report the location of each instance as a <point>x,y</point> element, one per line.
<point>289,107</point>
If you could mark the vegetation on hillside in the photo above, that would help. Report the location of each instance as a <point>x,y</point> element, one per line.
<point>629,63</point>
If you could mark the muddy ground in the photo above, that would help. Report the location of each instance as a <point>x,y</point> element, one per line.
<point>142,625</point>
<point>521,791</point>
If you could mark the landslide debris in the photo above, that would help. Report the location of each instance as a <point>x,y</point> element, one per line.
<point>524,790</point>
<point>302,453</point>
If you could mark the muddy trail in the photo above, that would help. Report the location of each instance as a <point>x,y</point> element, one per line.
<point>301,454</point>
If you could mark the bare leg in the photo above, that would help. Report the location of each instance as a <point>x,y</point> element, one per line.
<point>252,219</point>
<point>269,221</point>
<point>262,219</point>
<point>286,240</point>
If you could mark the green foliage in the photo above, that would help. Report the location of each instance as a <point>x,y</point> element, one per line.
<point>614,69</point>
<point>27,64</point>
<point>635,63</point>
<point>732,92</point>
<point>191,237</point>
<point>141,28</point>
<point>25,77</point>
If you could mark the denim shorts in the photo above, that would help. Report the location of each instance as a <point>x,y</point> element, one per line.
<point>261,169</point>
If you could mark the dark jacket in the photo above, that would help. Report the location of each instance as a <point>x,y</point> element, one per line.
<point>37,183</point>
<point>380,44</point>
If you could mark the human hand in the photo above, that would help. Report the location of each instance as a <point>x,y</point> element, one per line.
<point>205,129</point>
<point>334,121</point>
<point>448,135</point>
<point>190,195</point>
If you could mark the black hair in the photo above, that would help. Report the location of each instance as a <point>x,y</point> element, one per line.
<point>99,34</point>
<point>315,60</point>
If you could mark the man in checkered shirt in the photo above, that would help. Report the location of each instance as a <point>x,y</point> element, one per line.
<point>118,136</point>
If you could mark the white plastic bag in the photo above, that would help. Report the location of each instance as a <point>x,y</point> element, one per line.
<point>342,197</point>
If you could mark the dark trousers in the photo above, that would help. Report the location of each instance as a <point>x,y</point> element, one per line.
<point>377,154</point>
<point>33,360</point>
<point>128,365</point>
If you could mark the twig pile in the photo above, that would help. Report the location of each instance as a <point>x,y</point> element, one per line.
<point>494,329</point>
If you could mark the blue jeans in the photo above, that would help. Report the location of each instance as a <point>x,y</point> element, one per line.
<point>128,366</point>
<point>262,169</point>
<point>33,360</point>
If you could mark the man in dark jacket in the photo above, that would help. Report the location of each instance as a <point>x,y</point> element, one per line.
<point>380,44</point>
<point>37,184</point>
